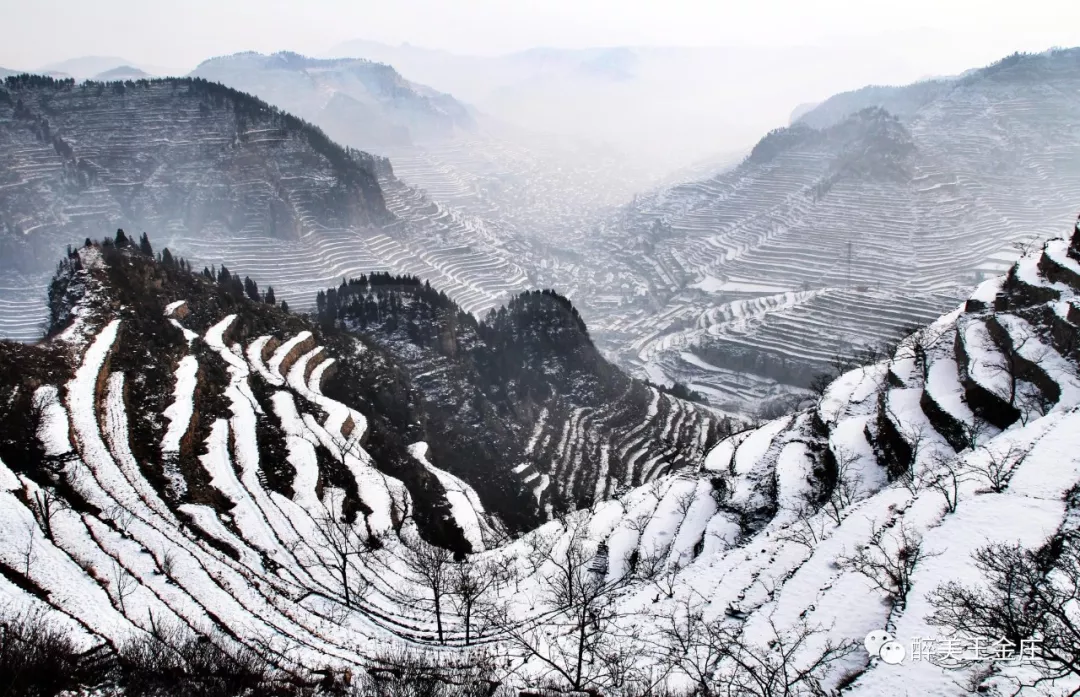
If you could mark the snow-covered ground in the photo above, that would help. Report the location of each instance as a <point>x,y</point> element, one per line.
<point>755,539</point>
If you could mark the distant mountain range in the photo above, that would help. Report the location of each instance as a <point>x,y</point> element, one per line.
<point>100,68</point>
<point>876,209</point>
<point>357,102</point>
<point>661,107</point>
<point>218,176</point>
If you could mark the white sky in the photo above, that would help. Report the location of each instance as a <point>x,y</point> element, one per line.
<point>957,34</point>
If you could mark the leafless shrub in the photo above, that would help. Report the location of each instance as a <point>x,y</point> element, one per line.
<point>122,583</point>
<point>998,466</point>
<point>401,672</point>
<point>37,658</point>
<point>173,660</point>
<point>888,560</point>
<point>574,636</point>
<point>1029,602</point>
<point>718,659</point>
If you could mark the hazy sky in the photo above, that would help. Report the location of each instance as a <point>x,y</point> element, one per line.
<point>956,34</point>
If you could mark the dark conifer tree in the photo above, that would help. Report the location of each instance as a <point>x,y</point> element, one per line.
<point>251,288</point>
<point>167,258</point>
<point>144,246</point>
<point>284,306</point>
<point>121,238</point>
<point>206,272</point>
<point>270,299</point>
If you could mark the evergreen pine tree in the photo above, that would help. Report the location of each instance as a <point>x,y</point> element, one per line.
<point>251,288</point>
<point>167,258</point>
<point>121,238</point>
<point>144,246</point>
<point>270,299</point>
<point>284,306</point>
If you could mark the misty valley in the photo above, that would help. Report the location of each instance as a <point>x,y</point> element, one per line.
<point>401,372</point>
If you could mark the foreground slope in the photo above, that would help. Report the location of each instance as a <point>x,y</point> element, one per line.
<point>759,543</point>
<point>965,437</point>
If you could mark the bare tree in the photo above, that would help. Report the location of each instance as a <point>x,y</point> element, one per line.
<point>339,544</point>
<point>44,504</point>
<point>998,466</point>
<point>575,636</point>
<point>916,436</point>
<point>1006,359</point>
<point>888,560</point>
<point>121,518</point>
<point>1032,402</point>
<point>431,567</point>
<point>1029,603</point>
<point>972,433</point>
<point>471,586</point>
<point>948,473</point>
<point>719,659</point>
<point>28,553</point>
<point>847,486</point>
<point>658,568</point>
<point>167,563</point>
<point>808,529</point>
<point>123,584</point>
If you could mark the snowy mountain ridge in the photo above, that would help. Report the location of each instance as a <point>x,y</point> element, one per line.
<point>965,435</point>
<point>883,207</point>
<point>217,176</point>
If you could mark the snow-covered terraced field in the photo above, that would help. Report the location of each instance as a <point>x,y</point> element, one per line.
<point>753,538</point>
<point>878,223</point>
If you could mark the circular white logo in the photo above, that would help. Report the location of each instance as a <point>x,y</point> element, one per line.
<point>875,640</point>
<point>893,653</point>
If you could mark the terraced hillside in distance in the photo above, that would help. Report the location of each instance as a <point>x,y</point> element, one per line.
<point>781,544</point>
<point>823,238</point>
<point>218,177</point>
<point>532,186</point>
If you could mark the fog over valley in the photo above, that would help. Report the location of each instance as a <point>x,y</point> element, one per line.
<point>539,349</point>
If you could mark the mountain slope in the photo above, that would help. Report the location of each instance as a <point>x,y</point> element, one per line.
<point>217,176</point>
<point>367,105</point>
<point>965,437</point>
<point>757,544</point>
<point>824,238</point>
<point>527,386</point>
